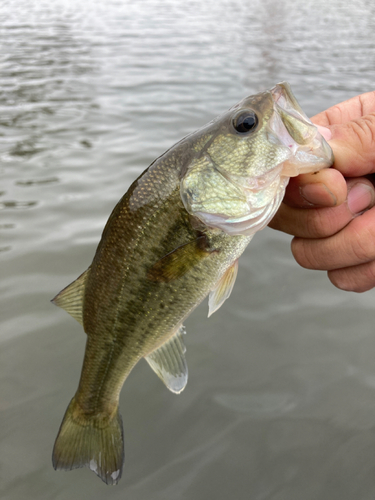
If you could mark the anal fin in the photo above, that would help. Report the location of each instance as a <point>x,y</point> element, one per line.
<point>222,289</point>
<point>169,363</point>
<point>71,297</point>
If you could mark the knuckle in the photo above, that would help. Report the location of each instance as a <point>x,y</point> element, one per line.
<point>321,222</point>
<point>339,278</point>
<point>334,114</point>
<point>342,279</point>
<point>303,254</point>
<point>314,223</point>
<point>363,243</point>
<point>369,276</point>
<point>359,249</point>
<point>357,279</point>
<point>364,130</point>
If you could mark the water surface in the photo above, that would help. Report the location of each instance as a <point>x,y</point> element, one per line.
<point>280,403</point>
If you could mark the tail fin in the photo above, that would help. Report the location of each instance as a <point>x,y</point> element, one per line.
<point>90,442</point>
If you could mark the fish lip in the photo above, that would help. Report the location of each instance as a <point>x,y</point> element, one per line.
<point>283,96</point>
<point>285,101</point>
<point>304,158</point>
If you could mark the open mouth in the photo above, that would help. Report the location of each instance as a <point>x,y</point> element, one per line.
<point>309,150</point>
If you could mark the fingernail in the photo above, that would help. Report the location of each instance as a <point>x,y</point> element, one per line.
<point>318,194</point>
<point>360,198</point>
<point>325,132</point>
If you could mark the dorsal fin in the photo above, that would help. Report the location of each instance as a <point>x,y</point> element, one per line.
<point>169,363</point>
<point>71,297</point>
<point>222,289</point>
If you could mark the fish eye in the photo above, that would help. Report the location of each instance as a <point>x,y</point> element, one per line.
<point>245,122</point>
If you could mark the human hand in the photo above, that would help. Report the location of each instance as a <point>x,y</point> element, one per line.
<point>330,213</point>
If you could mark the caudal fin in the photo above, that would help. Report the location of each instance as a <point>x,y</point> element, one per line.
<point>97,444</point>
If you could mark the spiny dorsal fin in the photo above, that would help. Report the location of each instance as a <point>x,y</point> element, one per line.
<point>71,297</point>
<point>223,289</point>
<point>169,363</point>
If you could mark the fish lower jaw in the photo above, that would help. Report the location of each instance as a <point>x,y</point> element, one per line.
<point>304,162</point>
<point>290,169</point>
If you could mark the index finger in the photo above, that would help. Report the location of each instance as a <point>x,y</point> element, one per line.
<point>352,109</point>
<point>353,145</point>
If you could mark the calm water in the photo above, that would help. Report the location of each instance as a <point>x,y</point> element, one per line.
<point>280,403</point>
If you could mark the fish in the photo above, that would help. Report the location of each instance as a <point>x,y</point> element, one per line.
<point>173,239</point>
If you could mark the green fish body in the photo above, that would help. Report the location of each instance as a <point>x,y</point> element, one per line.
<point>174,238</point>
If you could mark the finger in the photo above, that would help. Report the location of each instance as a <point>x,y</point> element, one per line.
<point>324,222</point>
<point>353,245</point>
<point>353,146</point>
<point>326,188</point>
<point>325,132</point>
<point>359,278</point>
<point>352,109</point>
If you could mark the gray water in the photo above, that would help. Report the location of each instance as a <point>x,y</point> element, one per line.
<point>280,403</point>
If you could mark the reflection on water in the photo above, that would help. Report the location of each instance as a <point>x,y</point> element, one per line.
<point>280,401</point>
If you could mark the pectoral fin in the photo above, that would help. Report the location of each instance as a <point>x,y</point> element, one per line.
<point>71,297</point>
<point>223,289</point>
<point>169,363</point>
<point>178,262</point>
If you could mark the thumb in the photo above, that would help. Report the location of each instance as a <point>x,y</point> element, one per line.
<point>353,145</point>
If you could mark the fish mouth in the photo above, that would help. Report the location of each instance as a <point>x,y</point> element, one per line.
<point>309,151</point>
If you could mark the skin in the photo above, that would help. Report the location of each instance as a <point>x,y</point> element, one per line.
<point>331,214</point>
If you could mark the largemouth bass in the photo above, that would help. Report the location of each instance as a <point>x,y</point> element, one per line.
<point>174,238</point>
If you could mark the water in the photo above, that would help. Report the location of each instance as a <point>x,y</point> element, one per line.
<point>280,402</point>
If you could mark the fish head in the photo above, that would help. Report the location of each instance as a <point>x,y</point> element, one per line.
<point>242,162</point>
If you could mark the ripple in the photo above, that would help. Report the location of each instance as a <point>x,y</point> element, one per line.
<point>17,204</point>
<point>37,182</point>
<point>25,148</point>
<point>258,405</point>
